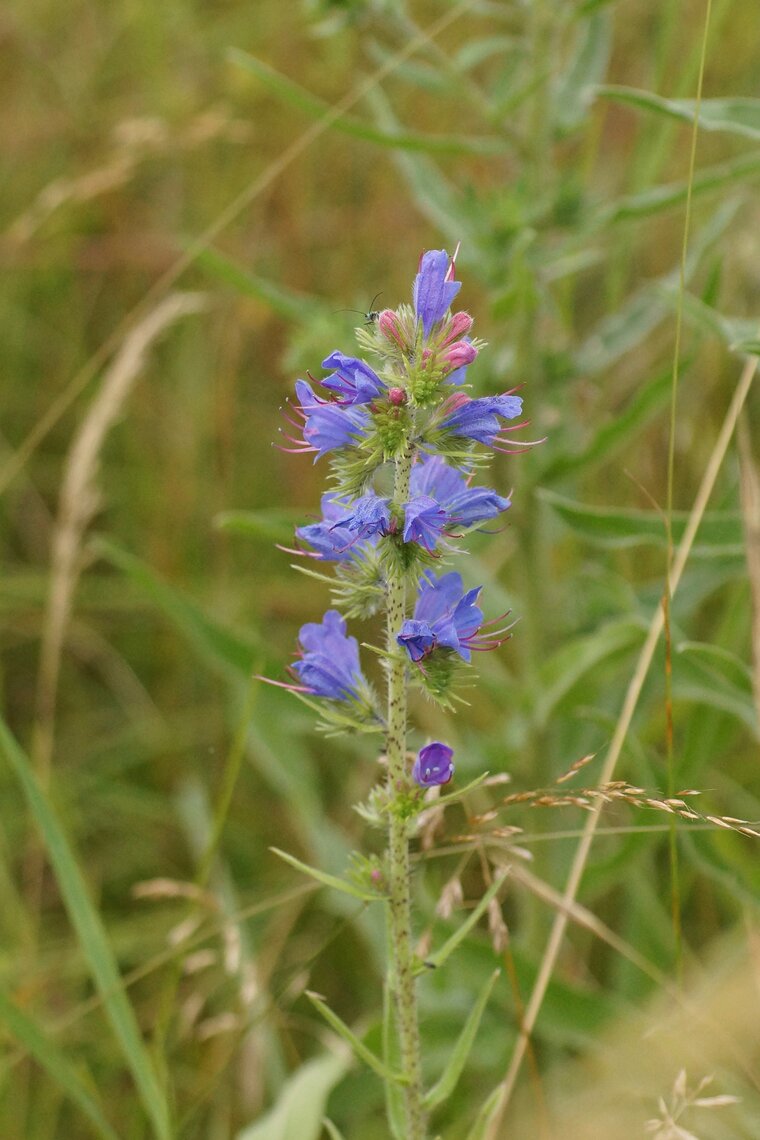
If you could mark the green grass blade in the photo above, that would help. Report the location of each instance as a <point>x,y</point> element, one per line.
<point>444,1087</point>
<point>92,938</point>
<point>54,1061</point>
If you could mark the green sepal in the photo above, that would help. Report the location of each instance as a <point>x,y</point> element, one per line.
<point>358,1046</point>
<point>331,1129</point>
<point>438,957</point>
<point>326,880</point>
<point>447,1082</point>
<point>438,673</point>
<point>358,587</point>
<point>345,716</point>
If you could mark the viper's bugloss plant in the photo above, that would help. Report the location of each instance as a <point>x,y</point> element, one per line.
<point>404,440</point>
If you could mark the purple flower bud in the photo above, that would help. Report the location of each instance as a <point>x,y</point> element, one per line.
<point>433,765</point>
<point>434,287</point>
<point>397,397</point>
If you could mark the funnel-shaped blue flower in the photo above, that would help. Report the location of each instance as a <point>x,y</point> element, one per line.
<point>353,380</point>
<point>442,500</point>
<point>479,419</point>
<point>329,664</point>
<point>328,426</point>
<point>445,616</point>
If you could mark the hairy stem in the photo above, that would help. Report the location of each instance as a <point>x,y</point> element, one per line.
<point>402,963</point>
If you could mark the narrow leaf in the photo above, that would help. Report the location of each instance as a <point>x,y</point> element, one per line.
<point>55,1062</point>
<point>92,937</point>
<point>738,116</point>
<point>720,532</point>
<point>456,1062</point>
<point>439,956</point>
<point>299,97</point>
<point>217,645</point>
<point>327,880</point>
<point>359,1048</point>
<point>299,1111</point>
<point>293,306</point>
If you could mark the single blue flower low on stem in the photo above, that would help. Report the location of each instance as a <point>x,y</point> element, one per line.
<point>402,440</point>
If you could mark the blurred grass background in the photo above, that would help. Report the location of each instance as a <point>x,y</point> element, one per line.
<point>127,131</point>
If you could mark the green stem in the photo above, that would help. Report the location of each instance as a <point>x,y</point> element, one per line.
<point>402,955</point>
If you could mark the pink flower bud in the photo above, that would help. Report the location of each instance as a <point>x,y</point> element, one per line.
<point>459,325</point>
<point>459,354</point>
<point>390,327</point>
<point>397,396</point>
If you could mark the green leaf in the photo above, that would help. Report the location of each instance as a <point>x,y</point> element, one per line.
<point>717,678</point>
<point>658,199</point>
<point>445,1086</point>
<point>273,524</point>
<point>215,644</point>
<point>720,532</point>
<point>327,880</point>
<point>293,306</point>
<point>316,108</point>
<point>93,940</point>
<point>619,333</point>
<point>738,333</point>
<point>333,1131</point>
<point>299,1111</point>
<point>624,426</point>
<point>577,658</point>
<point>55,1062</point>
<point>358,1046</point>
<point>438,957</point>
<point>738,116</point>
<point>575,90</point>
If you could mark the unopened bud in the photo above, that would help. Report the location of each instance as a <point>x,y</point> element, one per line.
<point>459,325</point>
<point>390,327</point>
<point>397,396</point>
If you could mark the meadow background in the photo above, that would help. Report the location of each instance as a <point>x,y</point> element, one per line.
<point>192,194</point>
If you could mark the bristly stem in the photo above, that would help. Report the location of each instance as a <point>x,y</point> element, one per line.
<point>402,957</point>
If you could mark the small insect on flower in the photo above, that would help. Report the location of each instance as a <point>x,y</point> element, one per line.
<point>370,317</point>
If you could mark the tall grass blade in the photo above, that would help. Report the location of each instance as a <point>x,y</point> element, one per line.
<point>93,939</point>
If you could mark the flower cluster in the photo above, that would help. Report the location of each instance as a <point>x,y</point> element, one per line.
<point>404,439</point>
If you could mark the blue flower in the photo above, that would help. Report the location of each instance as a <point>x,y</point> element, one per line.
<point>328,426</point>
<point>424,521</point>
<point>346,528</point>
<point>479,419</point>
<point>329,664</point>
<point>459,504</point>
<point>433,765</point>
<point>353,380</point>
<point>445,617</point>
<point>434,287</point>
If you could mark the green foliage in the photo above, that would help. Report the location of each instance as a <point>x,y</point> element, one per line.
<point>317,148</point>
